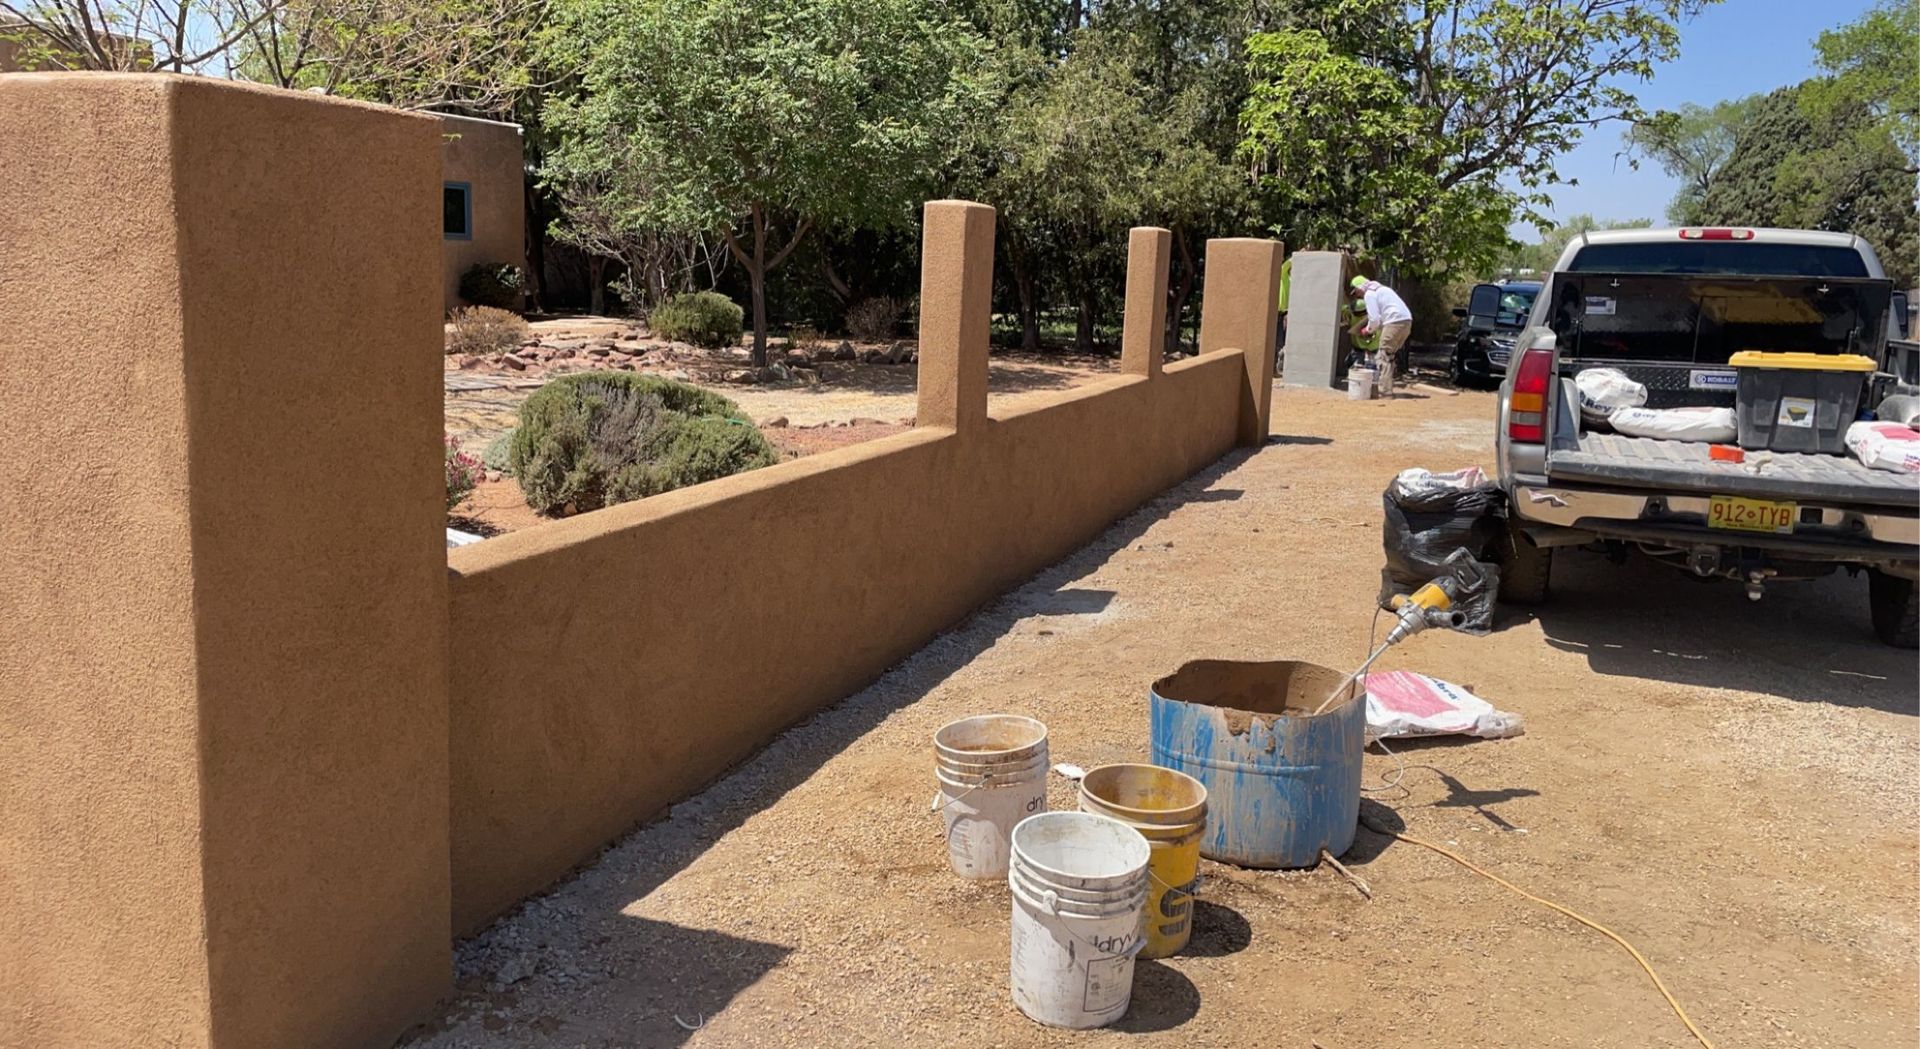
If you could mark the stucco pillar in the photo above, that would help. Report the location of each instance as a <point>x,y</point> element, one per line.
<point>1143,333</point>
<point>1314,319</point>
<point>223,734</point>
<point>1239,310</point>
<point>956,314</point>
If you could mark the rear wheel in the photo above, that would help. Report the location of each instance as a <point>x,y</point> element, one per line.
<point>1457,369</point>
<point>1896,615</point>
<point>1524,567</point>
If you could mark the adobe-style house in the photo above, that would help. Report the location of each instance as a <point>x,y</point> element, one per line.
<point>484,197</point>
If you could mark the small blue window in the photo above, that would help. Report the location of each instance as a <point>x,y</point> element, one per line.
<point>456,219</point>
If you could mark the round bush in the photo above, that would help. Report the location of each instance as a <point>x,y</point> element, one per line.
<point>484,329</point>
<point>703,318</point>
<point>594,439</point>
<point>496,284</point>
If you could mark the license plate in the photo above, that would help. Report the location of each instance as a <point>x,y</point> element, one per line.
<point>1751,515</point>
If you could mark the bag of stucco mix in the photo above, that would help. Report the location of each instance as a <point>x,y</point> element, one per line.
<point>1402,703</point>
<point>1709,425</point>
<point>1427,517</point>
<point>1602,391</point>
<point>1885,446</point>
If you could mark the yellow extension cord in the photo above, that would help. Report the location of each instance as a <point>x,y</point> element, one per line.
<point>1576,916</point>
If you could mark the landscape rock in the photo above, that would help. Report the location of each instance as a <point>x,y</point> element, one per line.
<point>469,361</point>
<point>743,376</point>
<point>861,420</point>
<point>776,423</point>
<point>779,372</point>
<point>599,351</point>
<point>679,375</point>
<point>514,361</point>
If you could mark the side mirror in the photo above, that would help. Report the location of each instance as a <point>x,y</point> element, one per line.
<point>1460,311</point>
<point>1483,307</point>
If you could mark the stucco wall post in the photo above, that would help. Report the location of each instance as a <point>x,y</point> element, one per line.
<point>223,756</point>
<point>956,314</point>
<point>1143,332</point>
<point>1240,311</point>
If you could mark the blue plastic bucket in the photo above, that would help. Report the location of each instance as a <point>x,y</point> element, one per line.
<point>1282,782</point>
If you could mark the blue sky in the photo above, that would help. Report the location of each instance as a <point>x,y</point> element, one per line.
<point>1735,48</point>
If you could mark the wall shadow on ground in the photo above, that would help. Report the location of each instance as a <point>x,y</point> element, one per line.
<point>1810,642</point>
<point>691,971</point>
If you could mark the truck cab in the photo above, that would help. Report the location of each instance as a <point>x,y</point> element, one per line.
<point>1670,308</point>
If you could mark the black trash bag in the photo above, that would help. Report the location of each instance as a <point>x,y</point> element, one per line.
<point>1430,516</point>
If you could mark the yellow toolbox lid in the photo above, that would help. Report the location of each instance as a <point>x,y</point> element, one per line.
<point>1822,362</point>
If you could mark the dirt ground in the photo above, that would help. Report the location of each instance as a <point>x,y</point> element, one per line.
<point>1734,787</point>
<point>834,405</point>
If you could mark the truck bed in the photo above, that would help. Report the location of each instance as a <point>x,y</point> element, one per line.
<point>1678,466</point>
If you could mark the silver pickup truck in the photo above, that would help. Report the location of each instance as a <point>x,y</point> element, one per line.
<point>1669,307</point>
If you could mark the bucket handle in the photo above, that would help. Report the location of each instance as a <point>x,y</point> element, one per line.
<point>986,779</point>
<point>1052,900</point>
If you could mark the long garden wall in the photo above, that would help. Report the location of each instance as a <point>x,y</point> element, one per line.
<point>246,799</point>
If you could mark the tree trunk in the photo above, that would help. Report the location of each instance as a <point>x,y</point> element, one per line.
<point>596,285</point>
<point>757,278</point>
<point>1182,290</point>
<point>536,240</point>
<point>1029,305</point>
<point>1083,330</point>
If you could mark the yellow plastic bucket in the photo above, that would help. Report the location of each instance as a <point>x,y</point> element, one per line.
<point>1169,809</point>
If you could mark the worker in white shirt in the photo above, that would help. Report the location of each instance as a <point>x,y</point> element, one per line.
<point>1387,314</point>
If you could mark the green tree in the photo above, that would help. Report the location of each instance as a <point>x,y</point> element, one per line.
<point>758,120</point>
<point>1399,120</point>
<point>1834,168</point>
<point>1691,144</point>
<point>1875,62</point>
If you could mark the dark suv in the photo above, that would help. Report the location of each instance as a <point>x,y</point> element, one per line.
<point>1491,320</point>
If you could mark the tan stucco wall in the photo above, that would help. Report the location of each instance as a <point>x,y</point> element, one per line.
<point>654,644</point>
<point>488,155</point>
<point>222,733</point>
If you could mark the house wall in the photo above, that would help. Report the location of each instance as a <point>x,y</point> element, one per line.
<point>489,156</point>
<point>223,808</point>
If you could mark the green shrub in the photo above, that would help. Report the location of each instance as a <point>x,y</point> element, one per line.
<point>597,438</point>
<point>483,329</point>
<point>703,318</point>
<point>496,284</point>
<point>498,454</point>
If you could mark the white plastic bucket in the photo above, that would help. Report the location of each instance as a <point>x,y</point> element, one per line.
<point>992,773</point>
<point>1079,886</point>
<point>1360,384</point>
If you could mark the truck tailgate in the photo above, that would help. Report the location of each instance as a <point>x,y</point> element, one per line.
<point>1678,466</point>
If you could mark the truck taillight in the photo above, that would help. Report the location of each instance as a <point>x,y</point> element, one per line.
<point>1715,233</point>
<point>1527,408</point>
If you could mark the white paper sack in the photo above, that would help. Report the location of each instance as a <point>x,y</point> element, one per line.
<point>1885,446</point>
<point>1403,703</point>
<point>1602,390</point>
<point>1416,481</point>
<point>1700,425</point>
